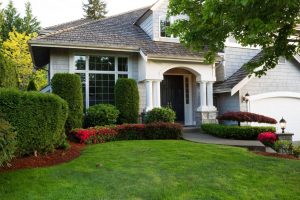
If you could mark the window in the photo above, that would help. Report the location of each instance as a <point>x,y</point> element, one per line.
<point>164,24</point>
<point>98,75</point>
<point>187,91</point>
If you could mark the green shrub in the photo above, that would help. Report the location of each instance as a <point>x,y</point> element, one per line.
<point>163,130</point>
<point>160,115</point>
<point>38,118</point>
<point>8,74</point>
<point>31,86</point>
<point>7,142</point>
<point>236,132</point>
<point>127,100</point>
<point>68,87</point>
<point>101,114</point>
<point>283,146</point>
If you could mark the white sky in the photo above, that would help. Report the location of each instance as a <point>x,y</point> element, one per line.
<point>52,12</point>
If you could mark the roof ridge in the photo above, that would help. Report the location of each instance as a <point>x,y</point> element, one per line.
<point>93,21</point>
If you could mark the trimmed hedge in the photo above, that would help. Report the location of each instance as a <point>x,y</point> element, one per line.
<point>236,132</point>
<point>152,131</point>
<point>38,118</point>
<point>68,87</point>
<point>7,142</point>
<point>160,115</point>
<point>127,100</point>
<point>101,115</point>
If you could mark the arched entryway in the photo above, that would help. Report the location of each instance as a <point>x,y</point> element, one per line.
<point>178,91</point>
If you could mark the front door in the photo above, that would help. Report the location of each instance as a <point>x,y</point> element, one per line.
<point>172,94</point>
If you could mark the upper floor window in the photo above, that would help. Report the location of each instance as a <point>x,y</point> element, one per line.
<point>164,24</point>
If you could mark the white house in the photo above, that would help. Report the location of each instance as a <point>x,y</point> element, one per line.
<point>136,45</point>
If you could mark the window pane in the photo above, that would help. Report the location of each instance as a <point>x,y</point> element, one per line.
<point>164,24</point>
<point>123,64</point>
<point>102,63</point>
<point>82,77</point>
<point>80,62</point>
<point>122,76</point>
<point>102,88</point>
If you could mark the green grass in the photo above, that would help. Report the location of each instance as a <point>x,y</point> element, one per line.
<point>158,170</point>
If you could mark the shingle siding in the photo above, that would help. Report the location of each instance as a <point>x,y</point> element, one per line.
<point>147,26</point>
<point>227,103</point>
<point>236,57</point>
<point>59,61</point>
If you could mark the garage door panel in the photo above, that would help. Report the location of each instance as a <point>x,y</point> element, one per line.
<point>278,107</point>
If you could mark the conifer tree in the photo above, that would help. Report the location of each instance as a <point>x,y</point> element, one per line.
<point>95,9</point>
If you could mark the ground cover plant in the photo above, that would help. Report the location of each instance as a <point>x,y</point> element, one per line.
<point>158,170</point>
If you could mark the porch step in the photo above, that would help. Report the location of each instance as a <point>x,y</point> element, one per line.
<point>191,129</point>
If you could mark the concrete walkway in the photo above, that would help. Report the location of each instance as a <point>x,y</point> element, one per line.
<point>195,135</point>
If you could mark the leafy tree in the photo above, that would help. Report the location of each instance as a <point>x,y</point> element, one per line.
<point>16,50</point>
<point>95,9</point>
<point>1,23</point>
<point>8,75</point>
<point>12,20</point>
<point>268,24</point>
<point>30,23</point>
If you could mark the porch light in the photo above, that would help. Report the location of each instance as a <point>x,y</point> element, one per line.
<point>246,97</point>
<point>282,123</point>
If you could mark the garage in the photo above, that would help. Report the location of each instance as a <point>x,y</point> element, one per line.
<point>278,105</point>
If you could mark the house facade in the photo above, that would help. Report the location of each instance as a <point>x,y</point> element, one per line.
<point>135,45</point>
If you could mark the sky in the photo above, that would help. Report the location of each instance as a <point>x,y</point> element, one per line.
<point>52,12</point>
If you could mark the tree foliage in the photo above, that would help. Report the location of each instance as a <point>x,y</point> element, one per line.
<point>268,24</point>
<point>30,22</point>
<point>16,50</point>
<point>8,75</point>
<point>95,9</point>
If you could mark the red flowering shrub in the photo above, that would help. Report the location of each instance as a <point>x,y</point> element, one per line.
<point>94,135</point>
<point>160,130</point>
<point>268,138</point>
<point>246,117</point>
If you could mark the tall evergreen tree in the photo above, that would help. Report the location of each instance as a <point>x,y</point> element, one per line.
<point>12,20</point>
<point>30,22</point>
<point>1,23</point>
<point>95,9</point>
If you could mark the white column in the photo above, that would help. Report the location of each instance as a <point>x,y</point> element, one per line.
<point>203,96</point>
<point>149,96</point>
<point>156,94</point>
<point>210,96</point>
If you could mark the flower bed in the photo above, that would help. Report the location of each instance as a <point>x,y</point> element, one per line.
<point>160,130</point>
<point>268,138</point>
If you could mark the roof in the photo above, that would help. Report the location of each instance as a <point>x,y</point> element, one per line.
<point>115,32</point>
<point>67,25</point>
<point>233,80</point>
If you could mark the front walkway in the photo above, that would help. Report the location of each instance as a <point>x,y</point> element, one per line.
<point>195,135</point>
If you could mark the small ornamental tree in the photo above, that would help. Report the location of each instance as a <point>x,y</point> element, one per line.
<point>127,100</point>
<point>246,117</point>
<point>31,86</point>
<point>68,87</point>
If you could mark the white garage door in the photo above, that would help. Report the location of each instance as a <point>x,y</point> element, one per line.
<point>278,107</point>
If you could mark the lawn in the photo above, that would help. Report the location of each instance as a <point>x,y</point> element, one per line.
<point>158,170</point>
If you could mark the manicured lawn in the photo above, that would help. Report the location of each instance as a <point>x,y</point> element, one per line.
<point>158,170</point>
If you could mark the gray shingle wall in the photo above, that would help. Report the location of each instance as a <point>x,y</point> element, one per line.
<point>236,57</point>
<point>227,103</point>
<point>284,78</point>
<point>59,61</point>
<point>147,26</point>
<point>220,72</point>
<point>161,11</point>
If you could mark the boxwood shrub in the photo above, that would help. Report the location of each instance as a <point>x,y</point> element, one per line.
<point>236,132</point>
<point>101,114</point>
<point>68,87</point>
<point>7,142</point>
<point>160,115</point>
<point>163,130</point>
<point>127,100</point>
<point>38,119</point>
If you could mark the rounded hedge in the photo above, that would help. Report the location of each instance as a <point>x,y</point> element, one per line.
<point>127,100</point>
<point>7,142</point>
<point>69,88</point>
<point>101,115</point>
<point>38,119</point>
<point>160,115</point>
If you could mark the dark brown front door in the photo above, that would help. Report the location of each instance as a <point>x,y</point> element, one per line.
<point>172,94</point>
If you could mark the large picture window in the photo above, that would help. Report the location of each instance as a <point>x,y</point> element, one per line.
<point>98,75</point>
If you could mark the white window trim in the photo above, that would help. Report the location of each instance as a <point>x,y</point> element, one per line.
<point>72,69</point>
<point>159,26</point>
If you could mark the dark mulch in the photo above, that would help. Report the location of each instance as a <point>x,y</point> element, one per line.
<point>277,155</point>
<point>51,159</point>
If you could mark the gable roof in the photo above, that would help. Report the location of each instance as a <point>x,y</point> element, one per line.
<point>233,80</point>
<point>116,32</point>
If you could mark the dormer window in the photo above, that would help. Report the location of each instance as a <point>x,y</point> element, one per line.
<point>164,24</point>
